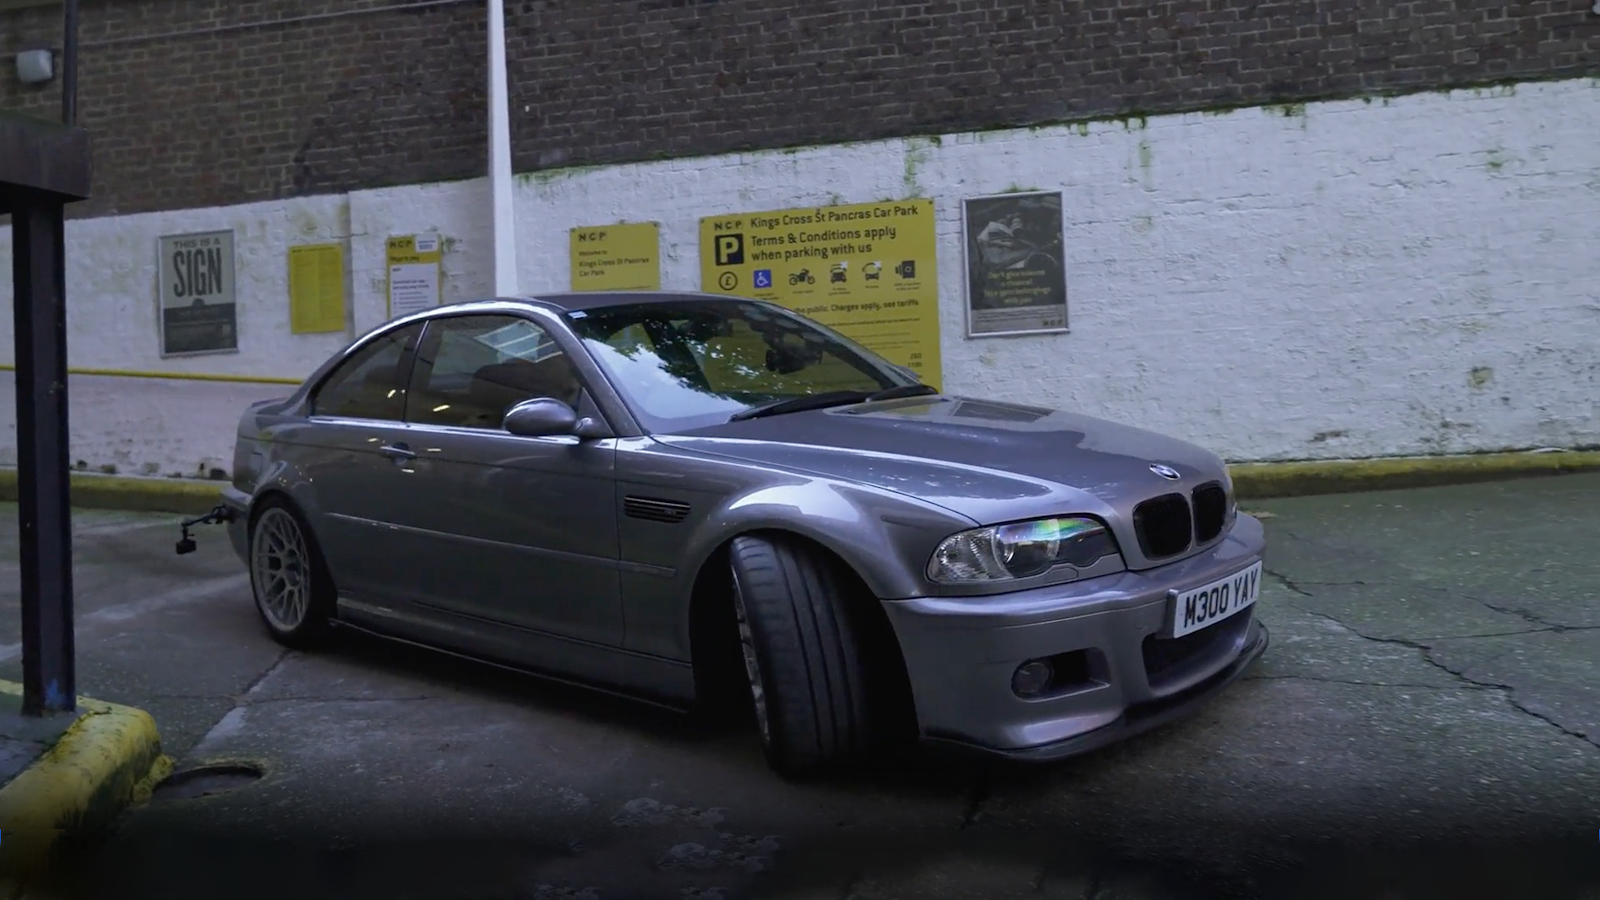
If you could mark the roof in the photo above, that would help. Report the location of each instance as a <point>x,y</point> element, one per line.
<point>558,302</point>
<point>567,301</point>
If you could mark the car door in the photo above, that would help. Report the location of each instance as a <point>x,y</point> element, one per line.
<point>353,475</point>
<point>525,527</point>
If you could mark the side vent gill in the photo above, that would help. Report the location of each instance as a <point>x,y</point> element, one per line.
<point>669,511</point>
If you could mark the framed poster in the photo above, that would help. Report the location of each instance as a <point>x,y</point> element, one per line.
<point>1016,275</point>
<point>197,305</point>
<point>316,289</point>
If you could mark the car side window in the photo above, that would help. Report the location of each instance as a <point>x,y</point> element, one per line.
<point>471,369</point>
<point>368,385</point>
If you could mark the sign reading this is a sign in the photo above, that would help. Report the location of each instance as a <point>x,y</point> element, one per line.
<point>198,307</point>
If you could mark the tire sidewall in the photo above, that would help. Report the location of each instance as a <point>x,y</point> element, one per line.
<point>787,743</point>
<point>757,674</point>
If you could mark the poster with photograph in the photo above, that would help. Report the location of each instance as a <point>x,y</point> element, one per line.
<point>198,310</point>
<point>1016,274</point>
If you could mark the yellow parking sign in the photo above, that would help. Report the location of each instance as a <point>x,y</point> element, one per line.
<point>866,270</point>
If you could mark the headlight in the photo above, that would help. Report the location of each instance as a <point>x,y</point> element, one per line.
<point>1019,550</point>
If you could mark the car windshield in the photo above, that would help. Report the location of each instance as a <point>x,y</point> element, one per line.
<point>686,364</point>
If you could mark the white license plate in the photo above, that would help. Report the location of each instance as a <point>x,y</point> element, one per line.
<point>1211,603</point>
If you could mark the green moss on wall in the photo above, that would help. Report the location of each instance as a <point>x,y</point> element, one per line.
<point>916,154</point>
<point>918,148</point>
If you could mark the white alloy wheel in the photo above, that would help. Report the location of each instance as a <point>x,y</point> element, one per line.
<point>281,570</point>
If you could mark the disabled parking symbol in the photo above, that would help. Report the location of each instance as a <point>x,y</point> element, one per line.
<point>763,278</point>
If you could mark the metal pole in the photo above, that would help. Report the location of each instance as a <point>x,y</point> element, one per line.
<point>49,681</point>
<point>69,63</point>
<point>505,226</point>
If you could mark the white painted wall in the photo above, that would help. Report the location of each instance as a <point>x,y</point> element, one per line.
<point>1358,279</point>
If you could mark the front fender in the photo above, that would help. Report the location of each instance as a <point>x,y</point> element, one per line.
<point>884,537</point>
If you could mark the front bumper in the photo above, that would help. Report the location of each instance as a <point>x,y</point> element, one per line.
<point>961,654</point>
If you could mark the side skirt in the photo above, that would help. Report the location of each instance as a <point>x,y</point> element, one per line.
<point>650,680</point>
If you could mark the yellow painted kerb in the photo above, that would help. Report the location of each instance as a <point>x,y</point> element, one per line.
<point>1256,481</point>
<point>172,376</point>
<point>106,760</point>
<point>1252,481</point>
<point>91,490</point>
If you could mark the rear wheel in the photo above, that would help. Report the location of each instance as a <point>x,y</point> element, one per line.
<point>799,618</point>
<point>293,591</point>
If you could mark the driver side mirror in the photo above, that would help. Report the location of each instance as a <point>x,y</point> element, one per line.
<point>548,417</point>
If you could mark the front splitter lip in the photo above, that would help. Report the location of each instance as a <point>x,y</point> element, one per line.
<point>1136,720</point>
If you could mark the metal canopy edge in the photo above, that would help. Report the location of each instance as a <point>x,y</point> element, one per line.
<point>41,157</point>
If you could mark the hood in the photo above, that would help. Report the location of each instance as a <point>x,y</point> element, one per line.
<point>986,460</point>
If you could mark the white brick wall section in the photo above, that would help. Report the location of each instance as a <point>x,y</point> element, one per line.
<point>1348,279</point>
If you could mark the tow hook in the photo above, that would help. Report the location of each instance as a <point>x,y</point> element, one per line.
<point>217,516</point>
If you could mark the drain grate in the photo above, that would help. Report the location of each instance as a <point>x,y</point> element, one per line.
<point>205,781</point>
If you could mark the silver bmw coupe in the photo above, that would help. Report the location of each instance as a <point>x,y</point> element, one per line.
<point>715,503</point>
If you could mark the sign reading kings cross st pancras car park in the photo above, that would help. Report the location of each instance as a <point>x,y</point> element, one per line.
<point>866,270</point>
<point>622,257</point>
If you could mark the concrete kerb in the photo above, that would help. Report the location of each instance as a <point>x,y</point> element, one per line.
<point>1252,481</point>
<point>109,759</point>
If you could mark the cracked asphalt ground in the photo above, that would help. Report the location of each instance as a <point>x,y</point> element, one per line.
<point>1426,723</point>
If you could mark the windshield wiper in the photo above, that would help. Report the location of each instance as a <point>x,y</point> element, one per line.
<point>904,390</point>
<point>799,404</point>
<point>830,398</point>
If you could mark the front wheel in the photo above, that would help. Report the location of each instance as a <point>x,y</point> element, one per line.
<point>293,592</point>
<point>799,618</point>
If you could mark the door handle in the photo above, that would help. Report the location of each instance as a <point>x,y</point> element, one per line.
<point>397,452</point>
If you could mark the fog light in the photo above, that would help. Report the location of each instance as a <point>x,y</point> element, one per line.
<point>1031,678</point>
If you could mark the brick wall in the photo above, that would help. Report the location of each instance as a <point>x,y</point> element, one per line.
<point>208,102</point>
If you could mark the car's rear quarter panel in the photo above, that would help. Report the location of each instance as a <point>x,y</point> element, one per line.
<point>274,453</point>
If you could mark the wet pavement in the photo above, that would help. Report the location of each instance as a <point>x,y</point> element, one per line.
<point>1426,723</point>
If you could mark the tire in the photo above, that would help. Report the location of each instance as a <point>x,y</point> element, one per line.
<point>802,645</point>
<point>293,591</point>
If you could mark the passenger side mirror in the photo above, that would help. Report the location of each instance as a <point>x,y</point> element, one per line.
<point>541,417</point>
